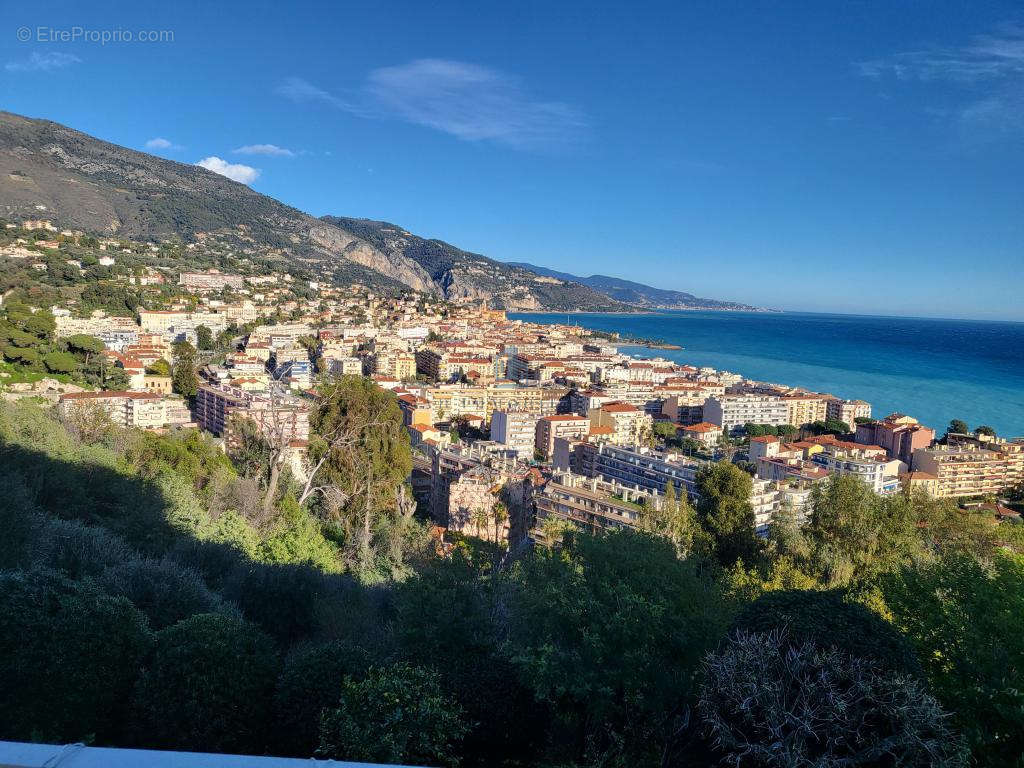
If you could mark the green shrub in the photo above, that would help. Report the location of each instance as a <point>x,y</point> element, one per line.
<point>311,681</point>
<point>827,620</point>
<point>397,714</point>
<point>69,655</point>
<point>208,687</point>
<point>769,701</point>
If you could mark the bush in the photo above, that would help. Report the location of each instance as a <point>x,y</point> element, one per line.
<point>766,701</point>
<point>966,619</point>
<point>208,688</point>
<point>827,620</point>
<point>68,658</point>
<point>163,590</point>
<point>282,599</point>
<point>75,549</point>
<point>397,714</point>
<point>311,681</point>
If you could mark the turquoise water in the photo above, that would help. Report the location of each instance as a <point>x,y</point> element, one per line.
<point>934,370</point>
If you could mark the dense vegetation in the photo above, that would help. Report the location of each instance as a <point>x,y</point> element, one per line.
<point>150,597</point>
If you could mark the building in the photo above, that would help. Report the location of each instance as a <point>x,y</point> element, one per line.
<point>206,282</point>
<point>567,426</point>
<point>636,467</point>
<point>847,411</point>
<point>900,435</point>
<point>516,429</point>
<point>589,503</point>
<point>628,423</point>
<point>803,408</point>
<point>731,412</point>
<point>144,410</point>
<point>704,432</point>
<point>215,404</point>
<point>868,464</point>
<point>969,470</point>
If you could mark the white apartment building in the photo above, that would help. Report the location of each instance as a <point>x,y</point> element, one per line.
<point>732,411</point>
<point>516,429</point>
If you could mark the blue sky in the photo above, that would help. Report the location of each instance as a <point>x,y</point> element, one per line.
<point>832,156</point>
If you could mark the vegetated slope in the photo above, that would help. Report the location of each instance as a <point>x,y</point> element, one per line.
<point>77,181</point>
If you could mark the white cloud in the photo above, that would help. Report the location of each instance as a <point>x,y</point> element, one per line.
<point>297,89</point>
<point>986,57</point>
<point>43,62</point>
<point>985,101</point>
<point>471,102</point>
<point>161,143</point>
<point>271,150</point>
<point>244,174</point>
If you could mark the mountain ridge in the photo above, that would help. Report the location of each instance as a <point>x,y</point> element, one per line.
<point>638,294</point>
<point>53,172</point>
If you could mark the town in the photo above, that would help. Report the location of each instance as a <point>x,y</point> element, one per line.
<point>516,428</point>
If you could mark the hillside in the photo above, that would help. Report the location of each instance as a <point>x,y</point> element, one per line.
<point>462,274</point>
<point>636,294</point>
<point>52,172</point>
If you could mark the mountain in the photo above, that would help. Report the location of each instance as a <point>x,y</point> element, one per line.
<point>461,274</point>
<point>636,294</point>
<point>49,171</point>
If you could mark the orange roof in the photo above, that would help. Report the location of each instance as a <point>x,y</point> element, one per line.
<point>108,395</point>
<point>602,430</point>
<point>704,426</point>
<point>618,407</point>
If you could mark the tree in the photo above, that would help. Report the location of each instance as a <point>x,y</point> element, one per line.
<point>984,429</point>
<point>60,362</point>
<point>607,631</point>
<point>85,346</point>
<point>725,512</point>
<point>666,430</point>
<point>208,687</point>
<point>163,590</point>
<point>966,620</point>
<point>69,655</point>
<point>204,337</point>
<point>361,458</point>
<point>675,519</point>
<point>159,367</point>
<point>397,714</point>
<point>957,427</point>
<point>767,702</point>
<point>854,533</point>
<point>184,379</point>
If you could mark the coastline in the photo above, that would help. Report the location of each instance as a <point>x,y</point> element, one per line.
<point>931,368</point>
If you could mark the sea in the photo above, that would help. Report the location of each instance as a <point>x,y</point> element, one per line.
<point>934,370</point>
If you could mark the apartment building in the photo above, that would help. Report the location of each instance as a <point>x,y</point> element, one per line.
<point>144,410</point>
<point>567,426</point>
<point>215,404</point>
<point>636,467</point>
<point>516,429</point>
<point>803,408</point>
<point>900,435</point>
<point>628,423</point>
<point>847,411</point>
<point>733,411</point>
<point>968,470</point>
<point>589,503</point>
<point>878,472</point>
<point>205,282</point>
